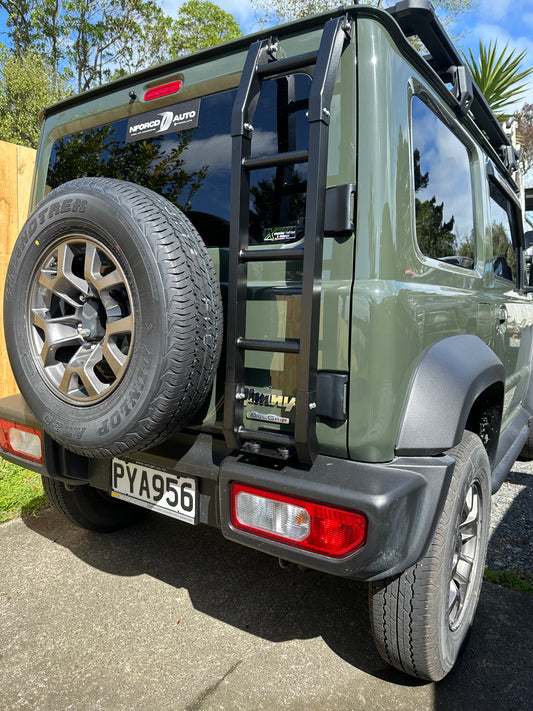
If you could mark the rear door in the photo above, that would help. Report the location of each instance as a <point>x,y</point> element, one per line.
<point>512,311</point>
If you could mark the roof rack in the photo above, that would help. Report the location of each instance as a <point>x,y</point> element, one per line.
<point>417,17</point>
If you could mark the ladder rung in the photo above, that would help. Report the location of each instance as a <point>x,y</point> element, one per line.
<point>287,64</point>
<point>258,162</point>
<point>251,344</point>
<point>294,188</point>
<point>270,255</point>
<point>264,436</point>
<point>300,105</point>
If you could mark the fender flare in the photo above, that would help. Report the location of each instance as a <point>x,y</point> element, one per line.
<point>447,381</point>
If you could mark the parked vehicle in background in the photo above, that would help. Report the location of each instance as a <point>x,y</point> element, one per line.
<point>280,287</point>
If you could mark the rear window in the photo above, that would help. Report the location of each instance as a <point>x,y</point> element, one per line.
<point>192,167</point>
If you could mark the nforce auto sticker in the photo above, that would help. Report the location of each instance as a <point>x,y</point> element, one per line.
<point>167,120</point>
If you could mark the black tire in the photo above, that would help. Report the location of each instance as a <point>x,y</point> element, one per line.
<point>113,317</point>
<point>90,508</point>
<point>415,627</point>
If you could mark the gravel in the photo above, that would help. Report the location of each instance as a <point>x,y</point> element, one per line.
<point>511,522</point>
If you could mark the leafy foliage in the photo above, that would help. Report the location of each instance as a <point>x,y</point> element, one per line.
<point>503,250</point>
<point>201,24</point>
<point>499,76</point>
<point>512,579</point>
<point>525,136</point>
<point>92,41</point>
<point>275,11</point>
<point>435,237</point>
<point>27,84</point>
<point>60,46</point>
<point>98,153</point>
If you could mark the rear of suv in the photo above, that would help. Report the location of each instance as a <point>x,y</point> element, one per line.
<point>280,287</point>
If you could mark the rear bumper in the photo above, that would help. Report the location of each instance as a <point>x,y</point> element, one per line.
<point>402,499</point>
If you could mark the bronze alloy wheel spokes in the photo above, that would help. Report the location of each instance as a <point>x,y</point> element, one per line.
<point>81,320</point>
<point>465,553</point>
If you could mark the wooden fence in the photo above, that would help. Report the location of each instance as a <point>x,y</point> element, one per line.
<point>16,173</point>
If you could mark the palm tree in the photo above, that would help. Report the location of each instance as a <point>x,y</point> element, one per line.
<point>499,76</point>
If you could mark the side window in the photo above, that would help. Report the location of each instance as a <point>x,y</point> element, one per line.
<point>504,251</point>
<point>443,190</point>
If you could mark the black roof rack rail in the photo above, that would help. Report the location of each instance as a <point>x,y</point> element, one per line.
<point>417,17</point>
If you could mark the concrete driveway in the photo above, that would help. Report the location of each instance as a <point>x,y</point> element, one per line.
<point>169,616</point>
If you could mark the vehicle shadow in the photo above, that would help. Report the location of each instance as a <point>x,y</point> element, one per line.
<point>248,590</point>
<point>514,532</point>
<point>496,667</point>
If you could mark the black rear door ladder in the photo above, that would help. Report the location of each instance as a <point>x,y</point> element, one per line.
<point>261,63</point>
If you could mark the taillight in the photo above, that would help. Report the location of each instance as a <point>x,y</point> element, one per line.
<point>20,440</point>
<point>164,90</point>
<point>298,522</point>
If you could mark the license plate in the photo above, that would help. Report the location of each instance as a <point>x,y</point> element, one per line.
<point>156,490</point>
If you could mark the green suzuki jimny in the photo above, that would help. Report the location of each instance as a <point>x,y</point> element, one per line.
<point>280,287</point>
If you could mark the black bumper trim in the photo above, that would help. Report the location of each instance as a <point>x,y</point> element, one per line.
<point>401,499</point>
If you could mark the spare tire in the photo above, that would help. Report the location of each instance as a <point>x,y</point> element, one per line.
<point>113,317</point>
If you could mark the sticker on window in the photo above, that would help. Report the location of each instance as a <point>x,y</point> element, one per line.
<point>283,234</point>
<point>167,120</point>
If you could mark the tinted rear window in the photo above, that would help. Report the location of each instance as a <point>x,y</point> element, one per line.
<point>192,168</point>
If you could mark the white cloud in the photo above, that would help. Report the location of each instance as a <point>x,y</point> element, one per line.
<point>496,9</point>
<point>215,151</point>
<point>442,155</point>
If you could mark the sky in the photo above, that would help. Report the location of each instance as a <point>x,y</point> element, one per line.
<point>508,21</point>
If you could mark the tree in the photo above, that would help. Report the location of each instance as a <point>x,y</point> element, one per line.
<point>499,76</point>
<point>201,24</point>
<point>27,85</point>
<point>276,11</point>
<point>96,40</point>
<point>103,34</point>
<point>97,152</point>
<point>524,132</point>
<point>37,26</point>
<point>146,42</point>
<point>435,237</point>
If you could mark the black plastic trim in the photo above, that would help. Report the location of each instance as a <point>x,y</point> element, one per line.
<point>450,376</point>
<point>402,501</point>
<point>330,396</point>
<point>339,210</point>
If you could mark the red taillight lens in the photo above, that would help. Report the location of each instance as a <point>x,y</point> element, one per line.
<point>20,440</point>
<point>164,90</point>
<point>298,522</point>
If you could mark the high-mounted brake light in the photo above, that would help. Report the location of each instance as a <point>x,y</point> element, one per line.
<point>164,90</point>
<point>305,524</point>
<point>20,440</point>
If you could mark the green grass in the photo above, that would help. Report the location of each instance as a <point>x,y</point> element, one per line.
<point>21,492</point>
<point>513,579</point>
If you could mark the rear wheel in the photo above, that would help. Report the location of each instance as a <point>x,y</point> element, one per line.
<point>90,508</point>
<point>421,618</point>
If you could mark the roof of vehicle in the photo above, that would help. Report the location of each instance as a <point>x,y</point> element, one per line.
<point>409,18</point>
